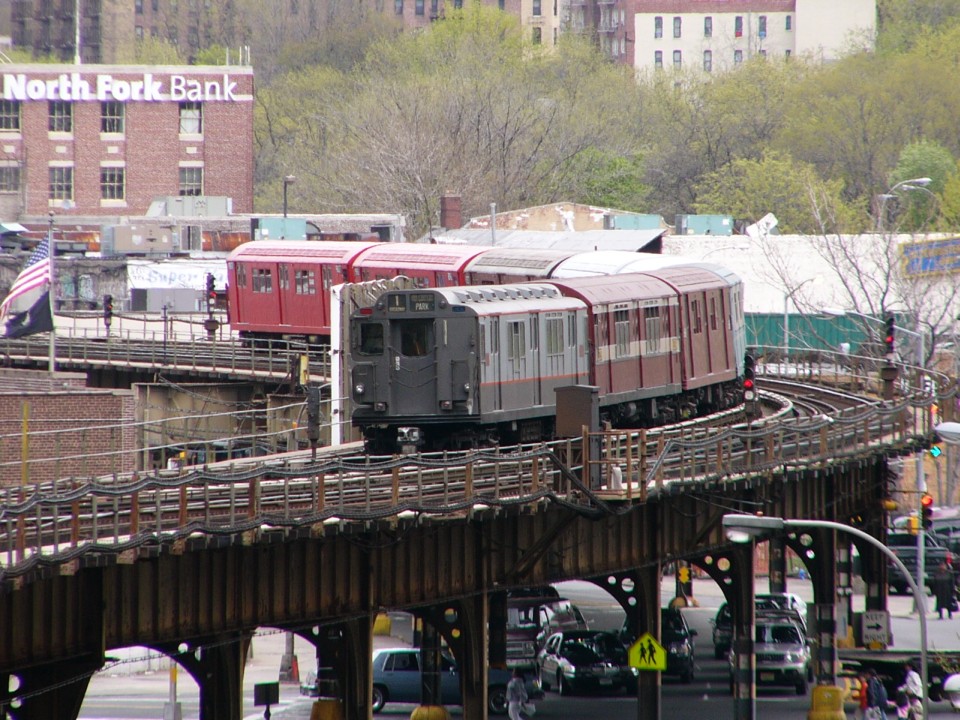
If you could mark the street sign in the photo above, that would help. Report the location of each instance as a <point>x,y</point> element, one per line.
<point>647,654</point>
<point>875,628</point>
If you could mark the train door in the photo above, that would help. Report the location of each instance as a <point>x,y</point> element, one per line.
<point>516,361</point>
<point>413,385</point>
<point>534,361</point>
<point>493,362</point>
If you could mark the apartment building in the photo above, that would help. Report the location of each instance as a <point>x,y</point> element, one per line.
<point>717,35</point>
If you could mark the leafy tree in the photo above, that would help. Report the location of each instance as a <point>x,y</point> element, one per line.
<point>922,159</point>
<point>792,191</point>
<point>156,51</point>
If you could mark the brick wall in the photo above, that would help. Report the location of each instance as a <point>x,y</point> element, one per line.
<point>71,430</point>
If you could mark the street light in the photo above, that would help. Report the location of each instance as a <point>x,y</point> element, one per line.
<point>744,528</point>
<point>914,184</point>
<point>288,180</point>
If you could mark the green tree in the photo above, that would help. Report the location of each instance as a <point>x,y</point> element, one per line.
<point>157,51</point>
<point>921,159</point>
<point>801,201</point>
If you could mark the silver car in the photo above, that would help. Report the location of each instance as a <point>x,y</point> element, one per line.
<point>783,656</point>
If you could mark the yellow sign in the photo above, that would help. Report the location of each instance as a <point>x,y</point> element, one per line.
<point>647,654</point>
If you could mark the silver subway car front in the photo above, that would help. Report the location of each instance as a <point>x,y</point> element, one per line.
<point>413,369</point>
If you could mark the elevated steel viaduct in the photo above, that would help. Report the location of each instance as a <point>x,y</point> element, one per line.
<point>193,562</point>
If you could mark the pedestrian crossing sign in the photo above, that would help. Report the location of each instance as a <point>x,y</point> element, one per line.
<point>647,654</point>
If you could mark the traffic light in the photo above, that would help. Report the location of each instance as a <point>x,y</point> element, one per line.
<point>107,309</point>
<point>926,505</point>
<point>889,326</point>
<point>749,378</point>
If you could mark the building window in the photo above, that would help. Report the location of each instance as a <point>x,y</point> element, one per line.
<point>707,60</point>
<point>111,183</point>
<point>418,7</point>
<point>111,117</point>
<point>658,59</point>
<point>762,26</point>
<point>434,8</point>
<point>9,178</point>
<point>154,32</point>
<point>306,282</point>
<point>658,27</point>
<point>738,26</point>
<point>737,57</point>
<point>537,36</point>
<point>676,27</point>
<point>708,26</point>
<point>788,54</point>
<point>191,118</point>
<point>191,181</point>
<point>10,115</point>
<point>789,23</point>
<point>677,58</point>
<point>138,32</point>
<point>60,116</point>
<point>398,7</point>
<point>61,183</point>
<point>537,10</point>
<point>501,4</point>
<point>138,7</point>
<point>155,4</point>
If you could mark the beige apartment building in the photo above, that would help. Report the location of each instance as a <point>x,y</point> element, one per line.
<point>718,35</point>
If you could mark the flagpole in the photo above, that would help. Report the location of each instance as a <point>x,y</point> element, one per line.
<point>52,360</point>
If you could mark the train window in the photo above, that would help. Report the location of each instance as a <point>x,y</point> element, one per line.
<point>283,276</point>
<point>572,329</point>
<point>534,334</point>
<point>518,346</point>
<point>621,328</point>
<point>696,316</point>
<point>306,282</point>
<point>713,313</point>
<point>554,336</point>
<point>371,339</point>
<point>262,280</point>
<point>416,337</point>
<point>241,275</point>
<point>653,327</point>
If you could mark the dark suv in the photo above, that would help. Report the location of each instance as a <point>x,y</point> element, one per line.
<point>904,546</point>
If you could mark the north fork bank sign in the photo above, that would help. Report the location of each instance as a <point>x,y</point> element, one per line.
<point>105,87</point>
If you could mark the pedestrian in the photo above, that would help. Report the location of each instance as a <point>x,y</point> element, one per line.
<point>861,711</point>
<point>877,701</point>
<point>912,688</point>
<point>516,694</point>
<point>944,589</point>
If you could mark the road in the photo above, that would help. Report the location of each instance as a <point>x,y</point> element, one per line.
<point>141,696</point>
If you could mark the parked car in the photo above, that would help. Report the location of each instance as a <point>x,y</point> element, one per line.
<point>783,655</point>
<point>677,639</point>
<point>581,660</point>
<point>397,678</point>
<point>723,624</point>
<point>533,614</point>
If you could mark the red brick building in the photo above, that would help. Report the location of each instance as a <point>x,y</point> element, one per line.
<point>88,140</point>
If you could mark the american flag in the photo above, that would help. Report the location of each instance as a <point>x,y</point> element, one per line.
<point>19,307</point>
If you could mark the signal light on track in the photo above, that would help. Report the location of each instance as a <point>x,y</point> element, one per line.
<point>889,328</point>
<point>926,505</point>
<point>107,310</point>
<point>749,378</point>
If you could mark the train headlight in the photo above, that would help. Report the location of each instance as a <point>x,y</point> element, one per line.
<point>446,405</point>
<point>358,389</point>
<point>466,388</point>
<point>380,407</point>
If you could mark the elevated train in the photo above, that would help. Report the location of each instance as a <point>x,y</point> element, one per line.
<point>460,367</point>
<point>280,289</point>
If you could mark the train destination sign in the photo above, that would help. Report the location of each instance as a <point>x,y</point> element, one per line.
<point>422,302</point>
<point>104,87</point>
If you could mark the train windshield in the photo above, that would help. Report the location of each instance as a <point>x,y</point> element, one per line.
<point>371,338</point>
<point>416,337</point>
